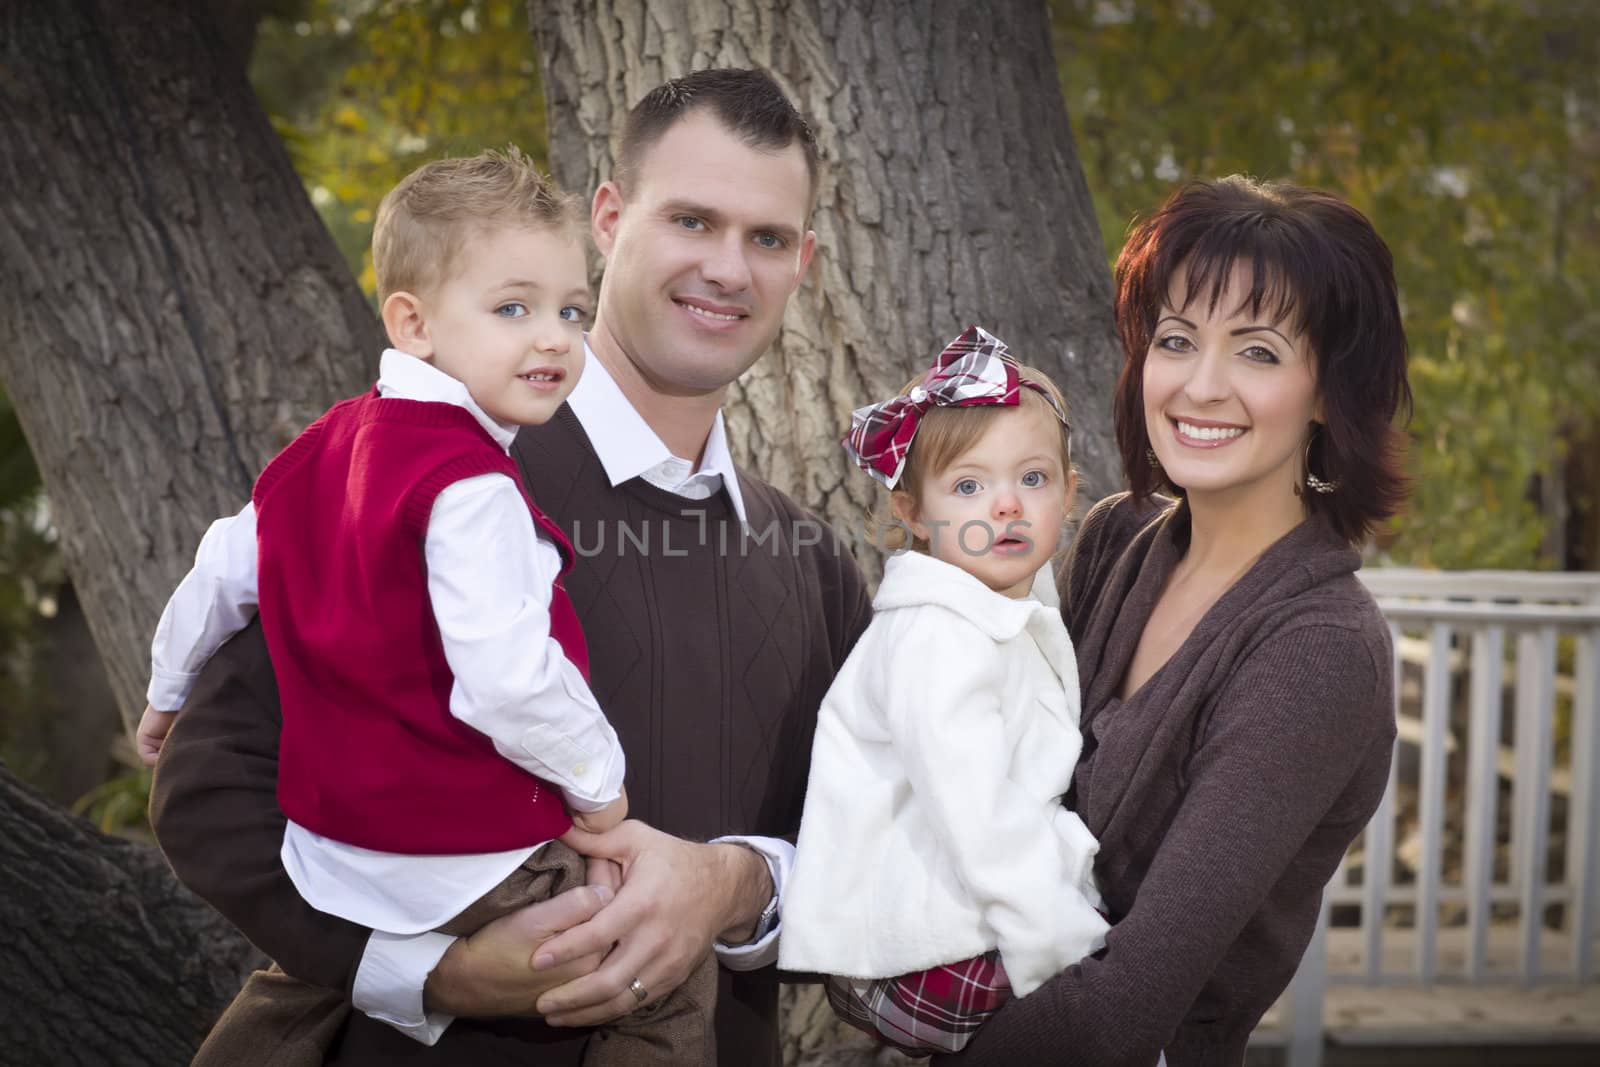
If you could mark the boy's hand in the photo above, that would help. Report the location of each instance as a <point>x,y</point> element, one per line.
<point>598,822</point>
<point>153,727</point>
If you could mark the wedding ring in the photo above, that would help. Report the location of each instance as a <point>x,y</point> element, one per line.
<point>636,987</point>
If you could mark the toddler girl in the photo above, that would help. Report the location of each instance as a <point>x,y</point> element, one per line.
<point>937,872</point>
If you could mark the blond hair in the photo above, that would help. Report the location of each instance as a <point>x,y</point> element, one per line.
<point>945,434</point>
<point>425,220</point>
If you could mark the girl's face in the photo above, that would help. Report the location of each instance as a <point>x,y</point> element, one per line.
<point>996,511</point>
<point>1229,397</point>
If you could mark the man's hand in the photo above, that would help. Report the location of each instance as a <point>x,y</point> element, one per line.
<point>491,973</point>
<point>598,822</point>
<point>152,733</point>
<point>676,898</point>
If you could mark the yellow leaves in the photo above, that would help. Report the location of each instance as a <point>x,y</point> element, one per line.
<point>372,89</point>
<point>349,120</point>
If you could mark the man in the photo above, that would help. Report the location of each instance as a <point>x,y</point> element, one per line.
<point>709,649</point>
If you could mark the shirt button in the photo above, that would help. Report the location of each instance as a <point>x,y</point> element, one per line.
<point>581,769</point>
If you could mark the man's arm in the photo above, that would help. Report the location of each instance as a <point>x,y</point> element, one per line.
<point>214,808</point>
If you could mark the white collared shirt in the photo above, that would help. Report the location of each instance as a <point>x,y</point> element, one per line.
<point>489,584</point>
<point>629,448</point>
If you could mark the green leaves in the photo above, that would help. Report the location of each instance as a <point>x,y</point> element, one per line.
<point>366,91</point>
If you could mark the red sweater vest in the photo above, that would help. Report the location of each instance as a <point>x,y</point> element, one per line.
<point>371,755</point>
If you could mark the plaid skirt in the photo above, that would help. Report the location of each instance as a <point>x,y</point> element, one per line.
<point>936,1010</point>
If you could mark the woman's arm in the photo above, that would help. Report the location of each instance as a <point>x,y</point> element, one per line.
<point>1301,722</point>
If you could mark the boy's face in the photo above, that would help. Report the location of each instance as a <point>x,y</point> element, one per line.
<point>701,255</point>
<point>996,511</point>
<point>508,321</point>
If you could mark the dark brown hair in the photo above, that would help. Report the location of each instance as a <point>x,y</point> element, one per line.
<point>1315,261</point>
<point>748,102</point>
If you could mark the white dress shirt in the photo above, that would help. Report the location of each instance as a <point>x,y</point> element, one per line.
<point>489,583</point>
<point>389,980</point>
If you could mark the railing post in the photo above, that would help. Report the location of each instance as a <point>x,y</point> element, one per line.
<point>1435,714</point>
<point>1306,995</point>
<point>1583,823</point>
<point>1536,667</point>
<point>1379,845</point>
<point>1483,787</point>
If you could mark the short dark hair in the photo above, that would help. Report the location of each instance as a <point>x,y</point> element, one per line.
<point>747,101</point>
<point>1315,260</point>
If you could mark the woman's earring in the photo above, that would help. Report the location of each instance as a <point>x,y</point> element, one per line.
<point>1313,483</point>
<point>1150,454</point>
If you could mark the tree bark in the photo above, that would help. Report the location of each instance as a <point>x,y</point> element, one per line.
<point>104,958</point>
<point>951,193</point>
<point>172,310</point>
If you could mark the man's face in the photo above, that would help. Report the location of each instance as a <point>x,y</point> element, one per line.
<point>701,256</point>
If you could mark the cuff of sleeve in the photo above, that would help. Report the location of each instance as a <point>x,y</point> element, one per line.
<point>763,951</point>
<point>584,804</point>
<point>388,985</point>
<point>169,689</point>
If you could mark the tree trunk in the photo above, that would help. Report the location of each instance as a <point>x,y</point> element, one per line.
<point>104,958</point>
<point>172,310</point>
<point>951,193</point>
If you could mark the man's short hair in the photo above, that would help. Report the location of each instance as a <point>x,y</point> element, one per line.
<point>425,220</point>
<point>748,102</point>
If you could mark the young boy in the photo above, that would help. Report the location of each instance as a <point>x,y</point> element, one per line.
<point>437,720</point>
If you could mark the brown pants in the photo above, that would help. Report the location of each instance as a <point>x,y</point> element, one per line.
<point>279,1021</point>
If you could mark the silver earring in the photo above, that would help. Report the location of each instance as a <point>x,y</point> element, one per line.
<point>1313,483</point>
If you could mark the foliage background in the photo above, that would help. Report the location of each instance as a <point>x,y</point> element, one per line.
<point>1468,130</point>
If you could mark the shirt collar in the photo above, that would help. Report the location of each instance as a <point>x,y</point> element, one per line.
<point>406,377</point>
<point>627,446</point>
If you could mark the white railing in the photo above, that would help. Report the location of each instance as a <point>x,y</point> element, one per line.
<point>1490,668</point>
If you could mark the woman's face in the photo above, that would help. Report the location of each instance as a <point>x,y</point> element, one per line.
<point>1229,397</point>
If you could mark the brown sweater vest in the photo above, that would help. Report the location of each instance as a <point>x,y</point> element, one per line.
<point>709,661</point>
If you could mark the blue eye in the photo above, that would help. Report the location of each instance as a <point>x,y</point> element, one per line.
<point>689,222</point>
<point>967,487</point>
<point>1033,479</point>
<point>573,313</point>
<point>511,310</point>
<point>769,240</point>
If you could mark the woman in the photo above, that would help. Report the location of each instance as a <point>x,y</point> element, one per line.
<point>1237,713</point>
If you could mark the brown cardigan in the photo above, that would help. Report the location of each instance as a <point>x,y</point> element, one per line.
<point>710,654</point>
<point>1223,792</point>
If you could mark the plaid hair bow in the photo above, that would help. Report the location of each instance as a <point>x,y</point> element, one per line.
<point>973,369</point>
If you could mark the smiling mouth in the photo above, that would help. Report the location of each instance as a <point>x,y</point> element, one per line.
<point>544,378</point>
<point>1207,435</point>
<point>706,313</point>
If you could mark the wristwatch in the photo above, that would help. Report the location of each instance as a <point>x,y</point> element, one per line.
<point>769,916</point>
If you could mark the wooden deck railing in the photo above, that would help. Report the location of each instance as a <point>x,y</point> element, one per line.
<point>1490,822</point>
